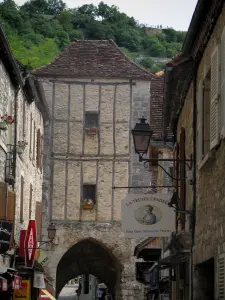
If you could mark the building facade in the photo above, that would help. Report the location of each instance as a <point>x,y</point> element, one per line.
<point>95,95</point>
<point>195,110</point>
<point>23,112</point>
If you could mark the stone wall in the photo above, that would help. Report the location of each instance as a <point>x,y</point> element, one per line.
<point>73,158</point>
<point>25,163</point>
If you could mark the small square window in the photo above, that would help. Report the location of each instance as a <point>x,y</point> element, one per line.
<point>89,192</point>
<point>91,120</point>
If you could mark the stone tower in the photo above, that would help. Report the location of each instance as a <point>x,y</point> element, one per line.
<point>95,95</point>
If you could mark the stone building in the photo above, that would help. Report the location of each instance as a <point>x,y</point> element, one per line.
<point>194,107</point>
<point>95,95</point>
<point>21,173</point>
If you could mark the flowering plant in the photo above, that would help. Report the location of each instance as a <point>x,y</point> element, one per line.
<point>92,131</point>
<point>88,202</point>
<point>7,119</point>
<point>22,144</point>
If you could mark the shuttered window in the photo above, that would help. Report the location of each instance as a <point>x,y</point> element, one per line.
<point>3,200</point>
<point>214,105</point>
<point>38,218</point>
<point>21,198</point>
<point>30,201</point>
<point>199,121</point>
<point>11,206</point>
<point>34,140</point>
<point>222,94</point>
<point>153,153</point>
<point>221,277</point>
<point>41,152</point>
<point>182,177</point>
<point>38,148</point>
<point>31,133</point>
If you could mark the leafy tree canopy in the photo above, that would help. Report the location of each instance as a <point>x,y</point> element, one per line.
<point>40,29</point>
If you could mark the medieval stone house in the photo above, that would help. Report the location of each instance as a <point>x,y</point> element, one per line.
<point>194,106</point>
<point>20,168</point>
<point>95,95</point>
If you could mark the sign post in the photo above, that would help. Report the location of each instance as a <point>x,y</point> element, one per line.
<point>147,215</point>
<point>30,244</point>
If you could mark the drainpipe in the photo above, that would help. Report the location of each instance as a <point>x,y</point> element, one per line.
<point>194,173</point>
<point>15,133</point>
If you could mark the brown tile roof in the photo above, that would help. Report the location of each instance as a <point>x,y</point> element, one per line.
<point>156,108</point>
<point>93,58</point>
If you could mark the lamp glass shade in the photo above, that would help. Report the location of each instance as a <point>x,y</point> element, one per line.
<point>51,231</point>
<point>142,135</point>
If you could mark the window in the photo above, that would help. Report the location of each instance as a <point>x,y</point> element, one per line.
<point>39,149</point>
<point>153,153</point>
<point>34,140</point>
<point>204,126</point>
<point>89,192</point>
<point>91,120</point>
<point>31,131</point>
<point>24,119</point>
<point>30,201</point>
<point>21,198</point>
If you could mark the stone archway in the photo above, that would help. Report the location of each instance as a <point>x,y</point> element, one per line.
<point>91,257</point>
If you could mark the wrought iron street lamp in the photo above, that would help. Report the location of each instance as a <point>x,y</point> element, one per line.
<point>141,135</point>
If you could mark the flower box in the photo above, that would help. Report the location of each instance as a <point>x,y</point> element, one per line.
<point>91,131</point>
<point>5,121</point>
<point>88,204</point>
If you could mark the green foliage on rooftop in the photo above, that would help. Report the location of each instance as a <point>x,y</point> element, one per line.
<point>40,29</point>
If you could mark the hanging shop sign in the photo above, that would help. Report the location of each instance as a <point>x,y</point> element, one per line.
<point>3,284</point>
<point>147,215</point>
<point>17,282</point>
<point>30,244</point>
<point>24,292</point>
<point>22,242</point>
<point>5,236</point>
<point>39,281</point>
<point>41,257</point>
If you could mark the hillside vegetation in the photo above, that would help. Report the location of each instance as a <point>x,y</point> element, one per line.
<point>40,29</point>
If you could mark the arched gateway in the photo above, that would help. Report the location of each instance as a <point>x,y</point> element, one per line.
<point>89,257</point>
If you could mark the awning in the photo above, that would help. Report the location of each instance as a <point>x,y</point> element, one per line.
<point>5,270</point>
<point>46,295</point>
<point>145,251</point>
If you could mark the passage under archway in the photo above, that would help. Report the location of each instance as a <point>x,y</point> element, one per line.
<point>88,257</point>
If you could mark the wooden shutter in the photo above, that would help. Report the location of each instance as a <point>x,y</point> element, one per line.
<point>221,277</point>
<point>42,150</point>
<point>31,132</point>
<point>21,198</point>
<point>214,104</point>
<point>34,138</point>
<point>30,201</point>
<point>222,80</point>
<point>153,153</point>
<point>11,206</point>
<point>38,148</point>
<point>3,200</point>
<point>182,177</point>
<point>38,218</point>
<point>199,121</point>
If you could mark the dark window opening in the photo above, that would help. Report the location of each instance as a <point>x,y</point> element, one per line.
<point>89,192</point>
<point>91,120</point>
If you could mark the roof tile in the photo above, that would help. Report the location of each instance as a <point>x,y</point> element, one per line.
<point>93,58</point>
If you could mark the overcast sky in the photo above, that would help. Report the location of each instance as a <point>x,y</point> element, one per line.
<point>172,13</point>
